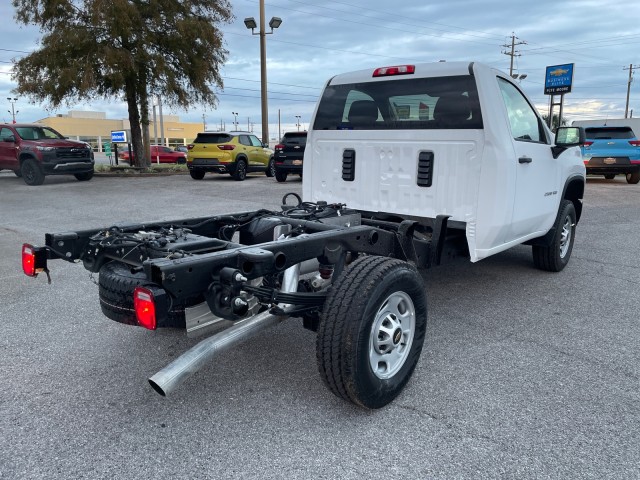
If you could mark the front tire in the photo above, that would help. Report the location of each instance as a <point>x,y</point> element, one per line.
<point>281,176</point>
<point>240,173</point>
<point>633,178</point>
<point>271,168</point>
<point>31,172</point>
<point>555,257</point>
<point>196,174</point>
<point>372,330</point>
<point>83,177</point>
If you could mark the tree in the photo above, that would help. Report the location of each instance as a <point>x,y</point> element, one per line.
<point>554,121</point>
<point>131,49</point>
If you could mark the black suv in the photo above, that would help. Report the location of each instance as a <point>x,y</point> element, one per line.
<point>289,154</point>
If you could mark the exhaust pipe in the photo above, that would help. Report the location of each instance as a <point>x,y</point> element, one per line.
<point>171,376</point>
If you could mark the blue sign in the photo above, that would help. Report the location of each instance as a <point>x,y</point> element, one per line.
<point>118,136</point>
<point>558,79</point>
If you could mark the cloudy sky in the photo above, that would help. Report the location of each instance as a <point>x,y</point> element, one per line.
<point>320,38</point>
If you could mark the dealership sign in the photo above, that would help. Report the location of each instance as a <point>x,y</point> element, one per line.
<point>118,136</point>
<point>558,79</point>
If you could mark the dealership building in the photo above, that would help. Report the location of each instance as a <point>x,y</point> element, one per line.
<point>95,128</point>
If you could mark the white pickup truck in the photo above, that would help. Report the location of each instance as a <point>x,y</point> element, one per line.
<point>406,167</point>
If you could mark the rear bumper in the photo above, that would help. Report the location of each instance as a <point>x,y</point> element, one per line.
<point>288,165</point>
<point>215,165</point>
<point>611,165</point>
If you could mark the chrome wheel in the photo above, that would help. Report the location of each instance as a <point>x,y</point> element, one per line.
<point>565,236</point>
<point>392,334</point>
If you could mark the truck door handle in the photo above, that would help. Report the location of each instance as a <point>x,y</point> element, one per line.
<point>525,160</point>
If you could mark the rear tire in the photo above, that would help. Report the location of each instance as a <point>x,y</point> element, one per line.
<point>633,178</point>
<point>281,176</point>
<point>240,173</point>
<point>31,172</point>
<point>83,177</point>
<point>610,176</point>
<point>555,257</point>
<point>372,330</point>
<point>196,174</point>
<point>116,284</point>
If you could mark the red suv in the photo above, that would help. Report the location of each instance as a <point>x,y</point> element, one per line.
<point>33,151</point>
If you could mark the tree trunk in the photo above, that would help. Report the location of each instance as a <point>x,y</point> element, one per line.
<point>134,122</point>
<point>144,114</point>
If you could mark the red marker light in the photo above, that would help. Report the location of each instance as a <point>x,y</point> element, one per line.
<point>190,146</point>
<point>395,70</point>
<point>635,143</point>
<point>28,260</point>
<point>588,143</point>
<point>145,308</point>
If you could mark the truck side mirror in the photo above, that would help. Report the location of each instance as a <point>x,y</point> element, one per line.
<point>570,136</point>
<point>567,137</point>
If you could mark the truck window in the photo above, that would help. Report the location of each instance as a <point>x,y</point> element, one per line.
<point>415,103</point>
<point>5,133</point>
<point>212,138</point>
<point>524,122</point>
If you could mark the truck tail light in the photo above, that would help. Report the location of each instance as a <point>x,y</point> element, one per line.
<point>34,260</point>
<point>635,143</point>
<point>145,307</point>
<point>28,260</point>
<point>279,147</point>
<point>190,146</point>
<point>226,147</point>
<point>588,143</point>
<point>395,70</point>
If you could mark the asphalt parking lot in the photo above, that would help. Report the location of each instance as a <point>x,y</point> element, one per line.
<point>524,374</point>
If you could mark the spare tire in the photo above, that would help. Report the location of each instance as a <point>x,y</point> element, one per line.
<point>116,284</point>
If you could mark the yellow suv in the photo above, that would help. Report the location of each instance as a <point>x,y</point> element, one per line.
<point>235,153</point>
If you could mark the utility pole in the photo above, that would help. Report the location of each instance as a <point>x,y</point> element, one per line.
<point>204,123</point>
<point>631,69</point>
<point>513,53</point>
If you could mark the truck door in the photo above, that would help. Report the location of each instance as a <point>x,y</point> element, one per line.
<point>536,195</point>
<point>8,157</point>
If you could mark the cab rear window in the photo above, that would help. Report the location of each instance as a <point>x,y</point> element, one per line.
<point>212,138</point>
<point>415,103</point>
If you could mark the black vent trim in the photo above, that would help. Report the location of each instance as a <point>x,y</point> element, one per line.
<point>349,165</point>
<point>425,169</point>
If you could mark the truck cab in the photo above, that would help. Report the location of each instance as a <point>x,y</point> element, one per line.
<point>456,139</point>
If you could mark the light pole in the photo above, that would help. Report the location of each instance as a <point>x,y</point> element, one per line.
<point>250,23</point>
<point>13,110</point>
<point>235,120</point>
<point>519,77</point>
<point>298,122</point>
